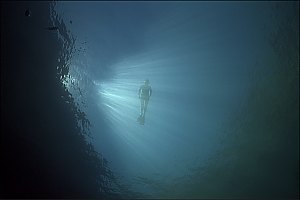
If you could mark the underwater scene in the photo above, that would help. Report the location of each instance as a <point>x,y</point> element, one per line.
<point>150,99</point>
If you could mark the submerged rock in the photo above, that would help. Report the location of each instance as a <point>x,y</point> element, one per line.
<point>52,28</point>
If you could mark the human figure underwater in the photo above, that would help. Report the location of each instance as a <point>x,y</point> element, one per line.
<point>145,92</point>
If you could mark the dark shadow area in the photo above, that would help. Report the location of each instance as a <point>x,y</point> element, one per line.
<point>44,153</point>
<point>260,158</point>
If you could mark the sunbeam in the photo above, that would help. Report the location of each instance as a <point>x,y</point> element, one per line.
<point>201,60</point>
<point>165,127</point>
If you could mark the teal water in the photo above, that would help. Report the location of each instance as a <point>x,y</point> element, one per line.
<point>223,118</point>
<point>222,121</point>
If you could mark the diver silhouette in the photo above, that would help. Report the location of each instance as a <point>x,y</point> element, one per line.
<point>145,92</point>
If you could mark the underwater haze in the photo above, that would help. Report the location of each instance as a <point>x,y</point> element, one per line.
<point>211,66</point>
<point>223,117</point>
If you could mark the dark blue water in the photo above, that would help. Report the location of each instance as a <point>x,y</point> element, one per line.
<point>222,121</point>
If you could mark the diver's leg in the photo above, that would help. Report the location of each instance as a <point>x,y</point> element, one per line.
<point>142,107</point>
<point>145,106</point>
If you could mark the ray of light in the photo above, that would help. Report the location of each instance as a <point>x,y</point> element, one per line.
<point>166,126</point>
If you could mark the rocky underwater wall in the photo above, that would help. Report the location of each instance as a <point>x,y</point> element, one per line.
<point>44,153</point>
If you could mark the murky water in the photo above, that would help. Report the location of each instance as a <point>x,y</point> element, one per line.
<point>222,121</point>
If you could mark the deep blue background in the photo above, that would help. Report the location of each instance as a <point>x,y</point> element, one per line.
<point>223,118</point>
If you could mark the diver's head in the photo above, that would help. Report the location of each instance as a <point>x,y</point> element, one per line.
<point>146,82</point>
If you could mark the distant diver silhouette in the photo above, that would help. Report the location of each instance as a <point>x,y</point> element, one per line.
<point>145,92</point>
<point>27,13</point>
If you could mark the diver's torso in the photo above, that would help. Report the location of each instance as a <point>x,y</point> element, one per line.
<point>145,91</point>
